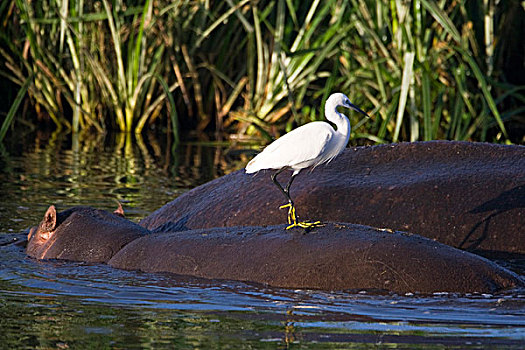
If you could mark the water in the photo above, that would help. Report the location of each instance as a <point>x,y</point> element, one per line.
<point>57,304</point>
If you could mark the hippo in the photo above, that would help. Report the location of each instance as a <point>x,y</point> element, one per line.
<point>81,234</point>
<point>467,195</point>
<point>335,256</point>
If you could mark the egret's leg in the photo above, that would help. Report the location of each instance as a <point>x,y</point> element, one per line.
<point>286,191</point>
<point>292,216</point>
<point>292,219</point>
<point>290,205</point>
<point>287,188</point>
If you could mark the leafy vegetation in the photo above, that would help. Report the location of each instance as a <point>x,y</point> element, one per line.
<point>255,69</point>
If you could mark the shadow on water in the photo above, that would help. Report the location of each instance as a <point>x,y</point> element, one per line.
<point>60,304</point>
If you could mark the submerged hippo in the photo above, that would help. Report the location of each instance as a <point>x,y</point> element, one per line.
<point>467,195</point>
<point>337,256</point>
<point>81,234</point>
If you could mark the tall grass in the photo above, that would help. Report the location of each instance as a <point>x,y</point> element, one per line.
<point>423,69</point>
<point>286,59</point>
<point>90,70</point>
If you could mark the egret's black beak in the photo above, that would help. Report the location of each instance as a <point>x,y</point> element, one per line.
<point>355,108</point>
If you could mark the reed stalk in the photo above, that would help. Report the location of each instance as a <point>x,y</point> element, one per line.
<point>423,69</point>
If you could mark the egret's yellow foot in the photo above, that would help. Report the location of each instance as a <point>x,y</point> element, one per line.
<point>291,213</point>
<point>306,224</point>
<point>292,219</point>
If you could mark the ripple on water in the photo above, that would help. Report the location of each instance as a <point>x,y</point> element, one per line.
<point>57,304</point>
<point>253,312</point>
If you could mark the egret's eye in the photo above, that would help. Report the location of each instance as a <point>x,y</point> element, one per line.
<point>301,148</point>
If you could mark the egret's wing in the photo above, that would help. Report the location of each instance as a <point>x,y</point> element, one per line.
<point>299,146</point>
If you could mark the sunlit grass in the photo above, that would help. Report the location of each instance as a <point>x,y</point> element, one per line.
<point>423,69</point>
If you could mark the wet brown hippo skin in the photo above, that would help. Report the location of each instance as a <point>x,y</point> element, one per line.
<point>337,256</point>
<point>81,234</point>
<point>468,195</point>
<point>333,257</point>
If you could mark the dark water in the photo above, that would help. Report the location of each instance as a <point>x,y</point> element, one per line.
<point>55,304</point>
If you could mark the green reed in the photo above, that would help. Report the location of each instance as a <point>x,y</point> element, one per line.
<point>89,68</point>
<point>423,69</point>
<point>423,72</point>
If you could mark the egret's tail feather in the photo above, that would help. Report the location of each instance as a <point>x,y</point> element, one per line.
<point>251,167</point>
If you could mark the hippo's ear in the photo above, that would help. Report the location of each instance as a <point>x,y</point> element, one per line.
<point>119,211</point>
<point>32,231</point>
<point>50,220</point>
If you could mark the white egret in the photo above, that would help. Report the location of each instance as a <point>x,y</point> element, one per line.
<point>307,146</point>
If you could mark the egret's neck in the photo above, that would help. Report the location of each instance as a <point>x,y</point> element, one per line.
<point>342,123</point>
<point>339,119</point>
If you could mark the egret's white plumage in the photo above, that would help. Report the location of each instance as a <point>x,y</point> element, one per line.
<point>307,146</point>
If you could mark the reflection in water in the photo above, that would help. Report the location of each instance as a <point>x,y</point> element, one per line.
<point>97,170</point>
<point>59,304</point>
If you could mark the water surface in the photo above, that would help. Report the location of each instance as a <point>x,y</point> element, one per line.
<point>57,304</point>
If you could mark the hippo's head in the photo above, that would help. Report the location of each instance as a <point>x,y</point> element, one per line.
<point>81,234</point>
